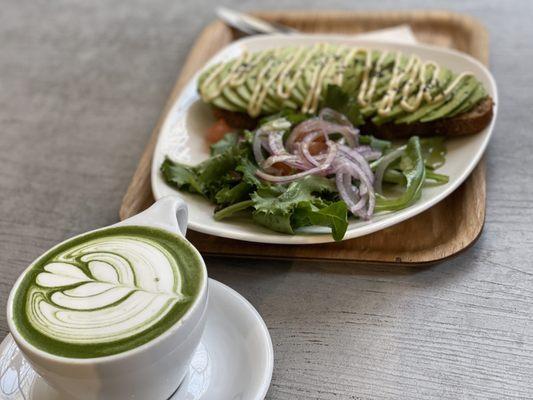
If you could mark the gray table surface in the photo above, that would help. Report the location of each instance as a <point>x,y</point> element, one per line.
<point>81,86</point>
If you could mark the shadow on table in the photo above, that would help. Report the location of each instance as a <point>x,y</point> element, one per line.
<point>258,267</point>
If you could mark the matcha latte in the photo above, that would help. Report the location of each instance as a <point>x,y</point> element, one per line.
<point>107,291</point>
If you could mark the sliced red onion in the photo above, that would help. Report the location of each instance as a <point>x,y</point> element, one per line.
<point>286,178</point>
<point>303,128</point>
<point>303,159</point>
<point>367,152</point>
<point>257,146</point>
<point>344,191</point>
<point>349,194</point>
<point>312,125</point>
<point>353,191</point>
<point>372,155</point>
<point>275,142</point>
<point>366,190</point>
<point>359,160</point>
<point>304,147</point>
<point>346,160</point>
<point>288,159</point>
<point>330,115</point>
<point>332,152</point>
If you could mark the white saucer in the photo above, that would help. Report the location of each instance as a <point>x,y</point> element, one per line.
<point>233,361</point>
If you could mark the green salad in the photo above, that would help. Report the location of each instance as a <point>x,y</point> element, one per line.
<point>296,170</point>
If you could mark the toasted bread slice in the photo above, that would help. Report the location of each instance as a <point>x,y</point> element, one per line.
<point>466,123</point>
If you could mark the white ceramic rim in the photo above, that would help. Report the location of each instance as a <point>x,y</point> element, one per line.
<point>388,220</point>
<point>203,293</point>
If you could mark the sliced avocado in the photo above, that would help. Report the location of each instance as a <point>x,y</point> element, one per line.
<point>460,95</point>
<point>221,102</point>
<point>297,93</point>
<point>280,103</point>
<point>272,97</point>
<point>352,78</point>
<point>291,102</point>
<point>266,106</point>
<point>383,84</point>
<point>297,96</point>
<point>203,76</point>
<point>397,113</point>
<point>244,92</point>
<point>303,85</point>
<point>426,108</point>
<point>466,95</point>
<point>372,109</point>
<point>218,79</point>
<point>479,94</point>
<point>232,97</point>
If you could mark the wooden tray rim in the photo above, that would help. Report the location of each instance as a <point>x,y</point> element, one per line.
<point>481,43</point>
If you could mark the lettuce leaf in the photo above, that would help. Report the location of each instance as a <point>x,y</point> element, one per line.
<point>300,204</point>
<point>182,176</point>
<point>227,142</point>
<point>213,178</point>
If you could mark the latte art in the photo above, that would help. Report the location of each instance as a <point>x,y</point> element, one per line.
<point>105,290</point>
<point>111,289</point>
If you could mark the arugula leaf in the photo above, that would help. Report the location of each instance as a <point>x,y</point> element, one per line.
<point>375,143</point>
<point>183,176</point>
<point>433,151</point>
<point>438,178</point>
<point>234,208</point>
<point>394,176</point>
<point>228,141</point>
<point>334,216</point>
<point>341,101</point>
<point>412,167</point>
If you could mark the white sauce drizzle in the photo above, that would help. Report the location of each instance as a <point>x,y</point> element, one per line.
<point>330,67</point>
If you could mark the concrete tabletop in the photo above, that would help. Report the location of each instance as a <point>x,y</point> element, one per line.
<point>81,86</point>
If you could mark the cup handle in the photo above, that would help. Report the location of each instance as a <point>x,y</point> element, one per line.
<point>169,212</point>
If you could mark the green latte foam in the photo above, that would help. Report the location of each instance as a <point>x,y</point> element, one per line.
<point>107,292</point>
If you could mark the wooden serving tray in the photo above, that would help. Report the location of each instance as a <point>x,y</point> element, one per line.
<point>449,227</point>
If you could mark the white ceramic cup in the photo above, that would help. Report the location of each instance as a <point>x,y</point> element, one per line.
<point>153,370</point>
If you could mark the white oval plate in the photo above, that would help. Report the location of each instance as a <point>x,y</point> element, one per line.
<point>183,131</point>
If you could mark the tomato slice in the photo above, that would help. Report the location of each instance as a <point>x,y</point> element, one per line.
<point>218,130</point>
<point>317,147</point>
<point>283,168</point>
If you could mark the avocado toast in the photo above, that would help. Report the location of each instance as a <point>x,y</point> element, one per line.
<point>398,95</point>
